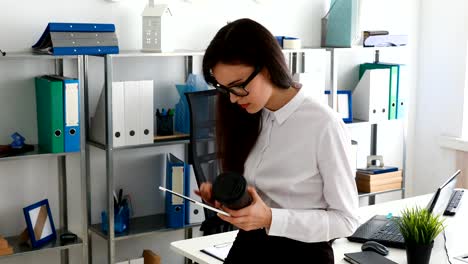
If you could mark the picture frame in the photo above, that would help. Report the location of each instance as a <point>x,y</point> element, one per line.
<point>344,104</point>
<point>40,224</point>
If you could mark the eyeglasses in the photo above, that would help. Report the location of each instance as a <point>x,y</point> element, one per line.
<point>238,90</point>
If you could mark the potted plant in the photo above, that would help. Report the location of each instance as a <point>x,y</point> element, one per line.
<point>419,227</point>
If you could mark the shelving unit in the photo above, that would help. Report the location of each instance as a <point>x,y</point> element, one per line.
<point>20,249</point>
<point>334,61</point>
<point>144,225</point>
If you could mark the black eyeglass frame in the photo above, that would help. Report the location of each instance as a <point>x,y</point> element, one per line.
<point>238,90</point>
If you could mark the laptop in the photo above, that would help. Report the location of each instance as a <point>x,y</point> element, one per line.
<point>385,231</point>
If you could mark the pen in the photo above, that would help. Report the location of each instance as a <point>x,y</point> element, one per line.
<point>116,203</point>
<point>120,197</point>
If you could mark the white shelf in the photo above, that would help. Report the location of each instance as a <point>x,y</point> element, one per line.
<point>139,53</point>
<point>140,226</point>
<point>30,55</point>
<point>365,194</point>
<point>304,49</point>
<point>176,53</point>
<point>455,143</point>
<point>358,123</point>
<point>36,153</point>
<point>364,48</point>
<point>20,249</point>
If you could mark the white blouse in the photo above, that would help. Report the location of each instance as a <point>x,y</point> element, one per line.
<point>301,168</point>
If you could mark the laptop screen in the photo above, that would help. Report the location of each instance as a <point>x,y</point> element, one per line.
<point>442,196</point>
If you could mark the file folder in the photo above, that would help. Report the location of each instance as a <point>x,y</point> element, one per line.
<point>175,179</point>
<point>340,25</point>
<point>402,94</point>
<point>131,108</point>
<point>98,122</point>
<point>393,83</point>
<point>50,118</point>
<point>80,27</point>
<point>370,97</point>
<point>77,39</point>
<point>146,112</point>
<point>193,213</point>
<point>71,108</point>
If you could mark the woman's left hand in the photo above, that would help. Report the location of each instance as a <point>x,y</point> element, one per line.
<point>255,216</point>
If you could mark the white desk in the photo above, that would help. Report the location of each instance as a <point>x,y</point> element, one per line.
<point>456,232</point>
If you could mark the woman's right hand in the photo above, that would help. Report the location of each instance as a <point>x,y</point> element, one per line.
<point>206,193</point>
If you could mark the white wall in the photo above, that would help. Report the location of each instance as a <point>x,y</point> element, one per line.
<point>23,23</point>
<point>29,19</point>
<point>440,94</point>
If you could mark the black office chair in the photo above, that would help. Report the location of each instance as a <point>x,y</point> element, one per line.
<point>202,150</point>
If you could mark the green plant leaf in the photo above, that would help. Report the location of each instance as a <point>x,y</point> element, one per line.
<point>419,226</point>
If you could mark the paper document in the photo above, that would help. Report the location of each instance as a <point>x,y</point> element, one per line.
<point>218,251</point>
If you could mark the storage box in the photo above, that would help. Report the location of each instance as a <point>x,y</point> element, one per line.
<point>378,182</point>
<point>150,257</point>
<point>3,243</point>
<point>5,249</point>
<point>137,261</point>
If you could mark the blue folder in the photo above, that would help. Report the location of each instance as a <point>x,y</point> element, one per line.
<point>377,169</point>
<point>80,27</point>
<point>175,180</point>
<point>76,39</point>
<point>71,113</point>
<point>63,51</point>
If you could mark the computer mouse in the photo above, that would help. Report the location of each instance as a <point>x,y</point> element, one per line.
<point>376,247</point>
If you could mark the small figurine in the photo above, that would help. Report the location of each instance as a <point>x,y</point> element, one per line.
<point>18,141</point>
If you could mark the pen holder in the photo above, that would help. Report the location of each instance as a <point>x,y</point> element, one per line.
<point>121,220</point>
<point>164,125</point>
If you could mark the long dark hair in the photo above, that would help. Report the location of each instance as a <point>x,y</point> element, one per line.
<point>243,41</point>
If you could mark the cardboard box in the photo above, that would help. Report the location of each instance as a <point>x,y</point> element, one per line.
<point>150,257</point>
<point>3,243</point>
<point>378,182</point>
<point>6,251</point>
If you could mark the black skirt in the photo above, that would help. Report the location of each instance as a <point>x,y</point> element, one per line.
<point>258,247</point>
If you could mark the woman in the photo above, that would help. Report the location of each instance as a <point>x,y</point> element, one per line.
<point>292,150</point>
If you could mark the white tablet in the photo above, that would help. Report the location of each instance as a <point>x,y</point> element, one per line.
<point>463,258</point>
<point>194,201</point>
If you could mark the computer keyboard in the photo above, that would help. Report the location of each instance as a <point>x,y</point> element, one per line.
<point>455,199</point>
<point>389,232</point>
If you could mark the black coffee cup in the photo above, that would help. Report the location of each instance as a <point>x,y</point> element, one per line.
<point>230,189</point>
